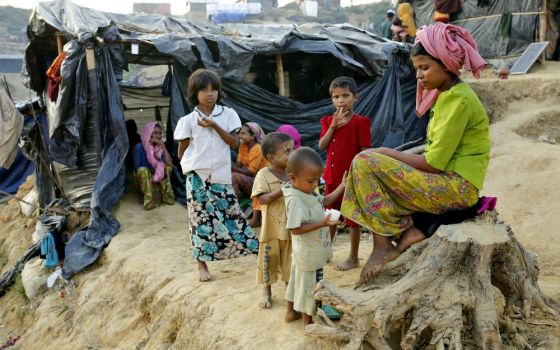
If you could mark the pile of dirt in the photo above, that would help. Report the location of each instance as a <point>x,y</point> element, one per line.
<point>144,293</point>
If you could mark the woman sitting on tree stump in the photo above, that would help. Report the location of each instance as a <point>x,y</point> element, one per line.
<point>386,186</point>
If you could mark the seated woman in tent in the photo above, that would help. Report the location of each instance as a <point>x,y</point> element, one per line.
<point>152,167</point>
<point>385,186</point>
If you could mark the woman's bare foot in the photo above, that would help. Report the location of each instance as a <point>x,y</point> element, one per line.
<point>409,237</point>
<point>203,272</point>
<point>349,263</point>
<point>383,252</point>
<point>291,314</point>
<point>266,300</point>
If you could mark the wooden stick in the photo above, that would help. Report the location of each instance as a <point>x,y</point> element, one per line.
<point>542,32</point>
<point>492,16</point>
<point>59,42</point>
<point>280,72</point>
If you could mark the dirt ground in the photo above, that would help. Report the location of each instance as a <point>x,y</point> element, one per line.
<point>143,293</point>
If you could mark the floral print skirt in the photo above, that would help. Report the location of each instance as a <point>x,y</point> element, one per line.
<point>219,230</point>
<point>381,193</point>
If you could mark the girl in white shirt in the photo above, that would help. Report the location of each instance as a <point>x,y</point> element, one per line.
<point>219,230</point>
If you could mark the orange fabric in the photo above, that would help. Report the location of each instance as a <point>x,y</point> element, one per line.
<point>54,70</point>
<point>253,159</point>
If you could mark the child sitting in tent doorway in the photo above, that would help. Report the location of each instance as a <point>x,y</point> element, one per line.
<point>249,158</point>
<point>249,161</point>
<point>152,167</point>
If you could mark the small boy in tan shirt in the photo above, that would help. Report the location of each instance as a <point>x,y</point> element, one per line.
<point>275,248</point>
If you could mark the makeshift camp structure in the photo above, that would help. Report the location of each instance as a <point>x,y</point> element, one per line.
<point>500,27</point>
<point>272,74</point>
<point>16,120</point>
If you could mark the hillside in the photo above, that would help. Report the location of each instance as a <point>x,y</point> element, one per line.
<point>13,22</point>
<point>143,292</point>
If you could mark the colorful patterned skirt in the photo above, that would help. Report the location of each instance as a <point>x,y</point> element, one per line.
<point>154,193</point>
<point>382,193</point>
<point>219,230</point>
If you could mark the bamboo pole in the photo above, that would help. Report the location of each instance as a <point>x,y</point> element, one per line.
<point>59,42</point>
<point>542,32</point>
<point>280,72</point>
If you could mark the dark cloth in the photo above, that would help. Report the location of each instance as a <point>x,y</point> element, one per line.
<point>447,6</point>
<point>133,140</point>
<point>139,158</point>
<point>429,223</point>
<point>505,24</point>
<point>483,3</point>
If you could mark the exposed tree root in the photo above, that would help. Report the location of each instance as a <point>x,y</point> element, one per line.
<point>440,288</point>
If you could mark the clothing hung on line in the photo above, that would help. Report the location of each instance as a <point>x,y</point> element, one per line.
<point>447,6</point>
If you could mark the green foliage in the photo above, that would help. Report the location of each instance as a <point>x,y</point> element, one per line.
<point>13,22</point>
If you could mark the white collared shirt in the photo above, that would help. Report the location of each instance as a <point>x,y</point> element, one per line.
<point>208,155</point>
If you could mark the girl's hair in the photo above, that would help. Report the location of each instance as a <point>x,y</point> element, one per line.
<point>200,80</point>
<point>344,82</point>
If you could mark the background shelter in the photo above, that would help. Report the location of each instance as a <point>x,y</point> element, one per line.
<point>272,74</point>
<point>500,27</point>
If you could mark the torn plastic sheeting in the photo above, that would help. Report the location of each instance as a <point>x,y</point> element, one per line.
<point>11,124</point>
<point>105,108</point>
<point>229,49</point>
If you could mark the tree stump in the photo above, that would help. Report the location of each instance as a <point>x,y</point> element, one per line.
<point>439,288</point>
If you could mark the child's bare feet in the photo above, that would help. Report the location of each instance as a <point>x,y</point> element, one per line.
<point>306,320</point>
<point>409,237</point>
<point>204,274</point>
<point>291,314</point>
<point>266,300</point>
<point>352,260</point>
<point>349,263</point>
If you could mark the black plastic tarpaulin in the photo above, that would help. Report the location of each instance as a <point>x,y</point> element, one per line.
<point>388,102</point>
<point>484,23</point>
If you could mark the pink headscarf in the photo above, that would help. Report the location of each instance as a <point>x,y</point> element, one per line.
<point>455,47</point>
<point>154,153</point>
<point>257,131</point>
<point>292,131</point>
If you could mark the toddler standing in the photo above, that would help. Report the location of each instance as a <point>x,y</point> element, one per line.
<point>306,220</point>
<point>343,134</point>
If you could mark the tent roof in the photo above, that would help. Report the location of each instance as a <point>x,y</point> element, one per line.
<point>228,49</point>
